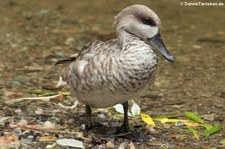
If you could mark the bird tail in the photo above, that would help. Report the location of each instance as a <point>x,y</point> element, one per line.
<point>67,60</point>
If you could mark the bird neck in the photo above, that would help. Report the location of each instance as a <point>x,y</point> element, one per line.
<point>126,37</point>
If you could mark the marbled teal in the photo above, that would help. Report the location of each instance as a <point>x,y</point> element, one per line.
<point>107,73</point>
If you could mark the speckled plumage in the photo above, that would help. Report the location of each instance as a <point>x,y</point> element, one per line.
<point>107,73</point>
<point>112,74</point>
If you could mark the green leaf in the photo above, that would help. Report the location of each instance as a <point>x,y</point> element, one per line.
<point>3,119</point>
<point>193,117</point>
<point>194,132</point>
<point>183,131</point>
<point>167,116</point>
<point>36,92</point>
<point>212,130</point>
<point>223,142</point>
<point>207,126</point>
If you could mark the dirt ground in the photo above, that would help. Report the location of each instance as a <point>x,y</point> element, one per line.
<point>35,34</point>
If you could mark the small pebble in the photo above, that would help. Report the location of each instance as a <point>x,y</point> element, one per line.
<point>166,126</point>
<point>71,121</point>
<point>59,53</point>
<point>69,41</point>
<point>39,111</point>
<point>18,131</point>
<point>30,137</point>
<point>18,110</point>
<point>22,122</point>
<point>26,141</point>
<point>82,126</point>
<point>197,46</point>
<point>101,115</point>
<point>179,123</point>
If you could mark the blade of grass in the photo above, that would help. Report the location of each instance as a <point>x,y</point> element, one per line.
<point>207,126</point>
<point>194,132</point>
<point>212,130</point>
<point>193,117</point>
<point>167,116</point>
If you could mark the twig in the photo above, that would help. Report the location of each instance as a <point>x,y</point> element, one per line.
<point>46,99</point>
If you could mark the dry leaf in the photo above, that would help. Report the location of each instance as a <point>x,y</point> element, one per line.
<point>123,145</point>
<point>48,138</point>
<point>75,104</point>
<point>9,141</point>
<point>48,125</point>
<point>60,83</point>
<point>177,106</point>
<point>209,117</point>
<point>132,145</point>
<point>57,97</point>
<point>110,144</point>
<point>22,122</point>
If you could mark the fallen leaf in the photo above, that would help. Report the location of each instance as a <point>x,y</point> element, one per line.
<point>177,106</point>
<point>40,92</point>
<point>132,145</point>
<point>57,97</point>
<point>123,145</point>
<point>212,130</point>
<point>147,119</point>
<point>223,142</point>
<point>22,122</point>
<point>76,102</point>
<point>61,82</point>
<point>110,144</point>
<point>207,126</point>
<point>49,125</point>
<point>3,119</point>
<point>193,117</point>
<point>119,109</point>
<point>9,141</point>
<point>186,122</point>
<point>167,116</point>
<point>51,145</point>
<point>46,126</point>
<point>192,124</point>
<point>194,132</point>
<point>135,109</point>
<point>70,143</point>
<point>39,111</point>
<point>47,138</point>
<point>209,117</point>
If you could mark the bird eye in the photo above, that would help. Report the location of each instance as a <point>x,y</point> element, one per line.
<point>148,21</point>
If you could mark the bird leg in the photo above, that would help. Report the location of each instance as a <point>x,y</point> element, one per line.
<point>88,116</point>
<point>125,126</point>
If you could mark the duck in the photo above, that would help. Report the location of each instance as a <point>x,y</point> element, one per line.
<point>106,73</point>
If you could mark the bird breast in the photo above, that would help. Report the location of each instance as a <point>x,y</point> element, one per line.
<point>108,80</point>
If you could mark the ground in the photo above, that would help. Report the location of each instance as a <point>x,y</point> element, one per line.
<point>35,34</point>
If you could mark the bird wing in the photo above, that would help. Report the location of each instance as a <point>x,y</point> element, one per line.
<point>89,52</point>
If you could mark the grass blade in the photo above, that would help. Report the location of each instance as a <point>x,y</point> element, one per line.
<point>193,117</point>
<point>212,130</point>
<point>194,132</point>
